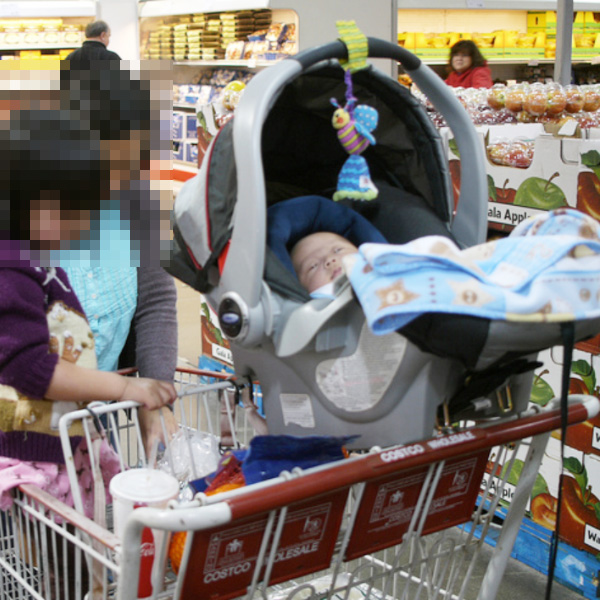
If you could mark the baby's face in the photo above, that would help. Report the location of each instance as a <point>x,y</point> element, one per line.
<point>317,258</point>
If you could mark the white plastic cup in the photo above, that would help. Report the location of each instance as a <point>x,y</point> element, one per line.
<point>133,489</point>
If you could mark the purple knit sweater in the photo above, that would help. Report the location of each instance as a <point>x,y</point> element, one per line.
<point>40,319</point>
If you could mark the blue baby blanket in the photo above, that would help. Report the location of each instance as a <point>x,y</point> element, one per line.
<point>547,269</point>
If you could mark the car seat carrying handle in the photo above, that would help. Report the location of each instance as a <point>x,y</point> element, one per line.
<point>245,263</point>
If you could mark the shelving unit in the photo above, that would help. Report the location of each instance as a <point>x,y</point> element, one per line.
<point>72,12</point>
<point>241,64</point>
<point>486,16</point>
<point>315,23</point>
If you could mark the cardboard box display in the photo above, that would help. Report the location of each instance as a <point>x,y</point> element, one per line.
<point>588,179</point>
<point>519,193</point>
<point>580,524</point>
<point>214,344</point>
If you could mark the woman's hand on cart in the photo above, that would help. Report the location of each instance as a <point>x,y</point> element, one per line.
<point>151,393</point>
<point>152,429</point>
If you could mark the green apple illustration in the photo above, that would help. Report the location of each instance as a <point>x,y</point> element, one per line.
<point>591,160</point>
<point>541,392</point>
<point>539,193</point>
<point>491,189</point>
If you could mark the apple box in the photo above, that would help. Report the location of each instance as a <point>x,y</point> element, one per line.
<point>579,525</point>
<point>584,379</point>
<point>214,344</point>
<point>588,178</point>
<point>515,194</point>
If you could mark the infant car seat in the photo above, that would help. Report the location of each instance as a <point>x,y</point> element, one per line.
<point>320,368</point>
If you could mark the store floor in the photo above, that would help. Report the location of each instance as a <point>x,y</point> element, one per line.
<point>520,581</point>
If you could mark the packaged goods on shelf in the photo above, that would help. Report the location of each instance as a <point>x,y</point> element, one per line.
<point>191,152</point>
<point>178,150</point>
<point>544,20</point>
<point>191,127</point>
<point>238,35</point>
<point>177,125</point>
<point>497,44</point>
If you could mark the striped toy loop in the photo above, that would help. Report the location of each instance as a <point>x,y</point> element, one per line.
<point>356,43</point>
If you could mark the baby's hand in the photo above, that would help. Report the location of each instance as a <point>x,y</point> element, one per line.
<point>150,392</point>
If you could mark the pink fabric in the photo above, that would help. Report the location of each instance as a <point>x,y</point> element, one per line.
<point>53,478</point>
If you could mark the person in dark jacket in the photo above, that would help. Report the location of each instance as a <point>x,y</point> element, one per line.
<point>97,36</point>
<point>467,66</point>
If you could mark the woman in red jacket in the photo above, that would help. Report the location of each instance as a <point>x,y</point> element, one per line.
<point>467,66</point>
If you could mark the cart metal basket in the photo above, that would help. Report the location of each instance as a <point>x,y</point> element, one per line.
<point>400,522</point>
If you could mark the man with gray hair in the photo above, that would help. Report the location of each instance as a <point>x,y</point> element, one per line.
<point>97,36</point>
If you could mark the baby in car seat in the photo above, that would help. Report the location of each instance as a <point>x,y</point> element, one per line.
<point>317,260</point>
<point>311,234</point>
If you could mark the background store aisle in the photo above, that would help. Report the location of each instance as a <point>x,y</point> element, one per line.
<point>188,316</point>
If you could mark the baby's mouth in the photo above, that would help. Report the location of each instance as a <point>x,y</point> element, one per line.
<point>336,273</point>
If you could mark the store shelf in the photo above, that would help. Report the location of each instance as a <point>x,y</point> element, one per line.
<point>48,8</point>
<point>244,64</point>
<point>532,62</point>
<point>39,46</point>
<point>484,5</point>
<point>162,8</point>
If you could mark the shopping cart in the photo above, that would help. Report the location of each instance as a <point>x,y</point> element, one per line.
<point>46,545</point>
<point>401,522</point>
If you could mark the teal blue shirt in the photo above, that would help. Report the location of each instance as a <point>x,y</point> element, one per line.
<point>103,273</point>
<point>109,298</point>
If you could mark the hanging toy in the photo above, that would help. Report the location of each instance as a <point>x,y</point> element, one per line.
<point>354,122</point>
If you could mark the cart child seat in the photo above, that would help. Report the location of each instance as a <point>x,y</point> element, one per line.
<point>321,370</point>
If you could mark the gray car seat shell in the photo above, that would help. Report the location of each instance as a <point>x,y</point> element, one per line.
<point>321,370</point>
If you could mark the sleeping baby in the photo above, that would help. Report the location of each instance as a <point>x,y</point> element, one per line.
<point>310,235</point>
<point>317,259</point>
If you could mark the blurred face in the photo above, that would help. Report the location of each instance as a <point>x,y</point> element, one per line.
<point>317,258</point>
<point>48,224</point>
<point>461,62</point>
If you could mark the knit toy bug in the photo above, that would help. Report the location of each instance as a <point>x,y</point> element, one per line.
<point>354,124</point>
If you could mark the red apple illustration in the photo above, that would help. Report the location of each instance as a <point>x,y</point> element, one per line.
<point>578,509</point>
<point>581,436</point>
<point>454,166</point>
<point>505,195</point>
<point>588,185</point>
<point>543,510</point>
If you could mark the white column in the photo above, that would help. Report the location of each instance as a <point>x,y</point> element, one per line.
<point>122,18</point>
